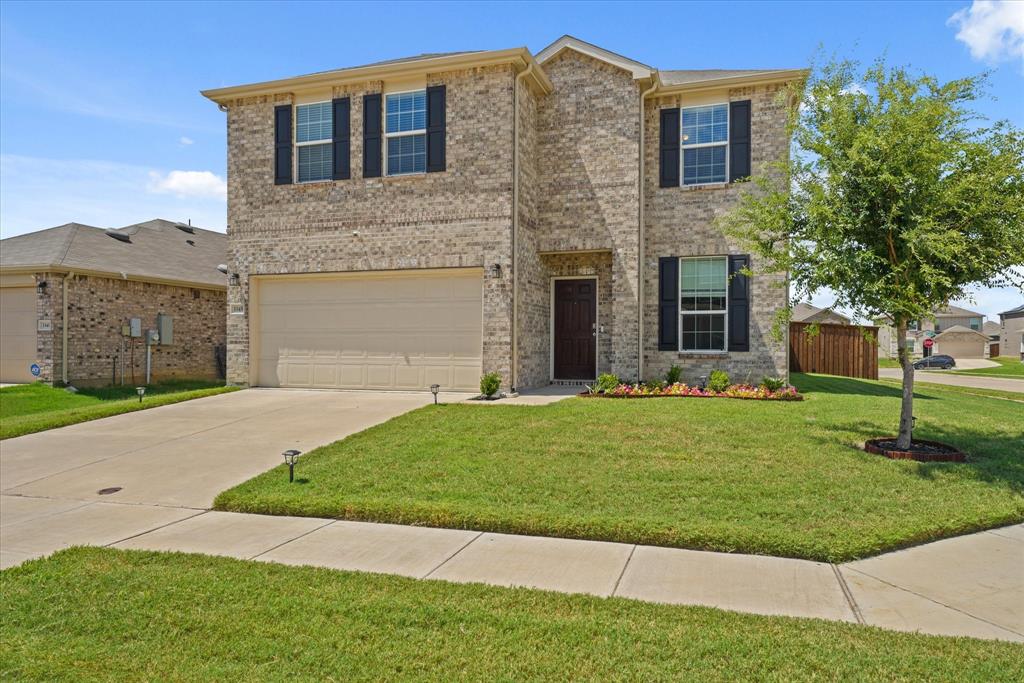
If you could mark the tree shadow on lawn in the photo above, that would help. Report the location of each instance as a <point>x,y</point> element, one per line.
<point>832,384</point>
<point>992,459</point>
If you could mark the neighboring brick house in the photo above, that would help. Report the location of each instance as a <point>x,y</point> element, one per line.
<point>960,343</point>
<point>69,295</point>
<point>428,219</point>
<point>806,313</point>
<point>1011,334</point>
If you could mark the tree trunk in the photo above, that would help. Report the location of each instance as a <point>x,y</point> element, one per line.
<point>907,405</point>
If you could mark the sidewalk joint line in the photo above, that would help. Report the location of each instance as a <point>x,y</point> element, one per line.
<point>854,607</point>
<point>447,559</point>
<point>941,604</point>
<point>326,524</point>
<point>615,589</point>
<point>162,526</point>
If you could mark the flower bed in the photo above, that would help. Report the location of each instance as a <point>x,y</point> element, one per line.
<point>744,391</point>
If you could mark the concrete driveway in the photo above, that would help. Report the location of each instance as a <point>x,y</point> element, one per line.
<point>169,462</point>
<point>943,377</point>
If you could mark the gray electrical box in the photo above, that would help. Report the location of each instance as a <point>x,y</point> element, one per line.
<point>135,327</point>
<point>152,337</point>
<point>165,328</point>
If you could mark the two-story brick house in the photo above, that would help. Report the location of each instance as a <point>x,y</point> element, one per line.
<point>549,217</point>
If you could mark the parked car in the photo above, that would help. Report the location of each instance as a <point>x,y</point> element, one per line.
<point>940,361</point>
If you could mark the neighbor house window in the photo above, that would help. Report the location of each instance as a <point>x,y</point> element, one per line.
<point>705,144</point>
<point>405,126</point>
<point>313,141</point>
<point>703,283</point>
<point>975,324</point>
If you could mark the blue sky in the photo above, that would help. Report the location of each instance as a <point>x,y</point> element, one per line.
<point>101,120</point>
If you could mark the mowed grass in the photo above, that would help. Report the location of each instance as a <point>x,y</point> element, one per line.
<point>1008,367</point>
<point>776,478</point>
<point>106,615</point>
<point>888,363</point>
<point>28,408</point>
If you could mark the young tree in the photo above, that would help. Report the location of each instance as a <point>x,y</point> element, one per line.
<point>893,197</point>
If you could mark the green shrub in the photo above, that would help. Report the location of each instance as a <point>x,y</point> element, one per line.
<point>490,383</point>
<point>718,380</point>
<point>606,382</point>
<point>674,374</point>
<point>655,385</point>
<point>773,383</point>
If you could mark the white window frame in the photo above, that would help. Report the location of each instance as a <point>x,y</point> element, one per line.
<point>309,143</point>
<point>682,149</point>
<point>402,134</point>
<point>723,312</point>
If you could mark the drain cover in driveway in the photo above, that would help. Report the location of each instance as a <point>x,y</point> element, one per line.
<point>109,490</point>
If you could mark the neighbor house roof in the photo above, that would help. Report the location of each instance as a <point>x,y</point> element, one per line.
<point>956,312</point>
<point>959,329</point>
<point>156,250</point>
<point>1013,312</point>
<point>991,327</point>
<point>802,312</point>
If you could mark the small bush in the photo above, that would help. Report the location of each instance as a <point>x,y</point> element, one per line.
<point>674,374</point>
<point>718,380</point>
<point>606,382</point>
<point>773,383</point>
<point>655,385</point>
<point>490,383</point>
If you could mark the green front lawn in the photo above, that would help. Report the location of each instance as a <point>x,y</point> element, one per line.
<point>764,477</point>
<point>1008,367</point>
<point>27,408</point>
<point>888,363</point>
<point>101,614</point>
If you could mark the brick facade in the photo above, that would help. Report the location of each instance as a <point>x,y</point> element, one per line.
<point>97,309</point>
<point>578,150</point>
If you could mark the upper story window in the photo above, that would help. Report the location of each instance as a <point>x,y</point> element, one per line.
<point>405,127</point>
<point>313,129</point>
<point>703,307</point>
<point>975,324</point>
<point>705,144</point>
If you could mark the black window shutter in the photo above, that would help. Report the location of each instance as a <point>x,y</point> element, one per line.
<point>668,303</point>
<point>435,128</point>
<point>739,304</point>
<point>372,136</point>
<point>283,144</point>
<point>342,129</point>
<point>739,140</point>
<point>669,148</point>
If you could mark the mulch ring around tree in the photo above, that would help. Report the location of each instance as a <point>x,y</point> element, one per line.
<point>920,450</point>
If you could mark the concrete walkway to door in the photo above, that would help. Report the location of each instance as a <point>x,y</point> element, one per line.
<point>170,462</point>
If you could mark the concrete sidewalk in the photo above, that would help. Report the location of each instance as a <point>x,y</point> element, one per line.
<point>967,586</point>
<point>942,377</point>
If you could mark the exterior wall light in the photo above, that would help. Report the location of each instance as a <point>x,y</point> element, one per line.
<point>41,287</point>
<point>290,456</point>
<point>434,388</point>
<point>233,280</point>
<point>141,391</point>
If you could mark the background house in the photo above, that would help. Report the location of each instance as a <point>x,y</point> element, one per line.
<point>1011,333</point>
<point>807,313</point>
<point>967,346</point>
<point>78,301</point>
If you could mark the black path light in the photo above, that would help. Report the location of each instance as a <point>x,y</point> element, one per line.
<point>434,388</point>
<point>141,391</point>
<point>290,456</point>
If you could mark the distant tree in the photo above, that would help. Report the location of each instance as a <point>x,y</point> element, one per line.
<point>896,197</point>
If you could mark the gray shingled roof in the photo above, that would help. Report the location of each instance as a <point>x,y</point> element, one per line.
<point>156,249</point>
<point>683,76</point>
<point>955,311</point>
<point>414,58</point>
<point>1013,312</point>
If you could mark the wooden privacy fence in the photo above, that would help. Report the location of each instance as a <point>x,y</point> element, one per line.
<point>835,350</point>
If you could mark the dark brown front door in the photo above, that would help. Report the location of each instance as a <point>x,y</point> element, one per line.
<point>575,329</point>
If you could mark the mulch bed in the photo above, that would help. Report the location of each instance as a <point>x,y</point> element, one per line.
<point>920,450</point>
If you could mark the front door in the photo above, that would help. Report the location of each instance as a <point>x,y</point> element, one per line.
<point>575,329</point>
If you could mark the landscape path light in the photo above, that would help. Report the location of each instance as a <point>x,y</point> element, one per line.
<point>290,456</point>
<point>140,391</point>
<point>434,388</point>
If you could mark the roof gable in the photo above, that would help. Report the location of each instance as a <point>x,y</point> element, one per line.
<point>567,42</point>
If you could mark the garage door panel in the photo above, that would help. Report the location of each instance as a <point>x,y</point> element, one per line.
<point>17,333</point>
<point>404,331</point>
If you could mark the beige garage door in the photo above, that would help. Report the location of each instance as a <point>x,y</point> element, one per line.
<point>17,333</point>
<point>380,331</point>
<point>961,346</point>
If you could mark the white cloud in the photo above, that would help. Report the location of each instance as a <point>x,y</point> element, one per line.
<point>188,184</point>
<point>993,30</point>
<point>38,193</point>
<point>185,141</point>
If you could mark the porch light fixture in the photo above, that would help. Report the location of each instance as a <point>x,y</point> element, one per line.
<point>233,280</point>
<point>290,456</point>
<point>41,287</point>
<point>496,270</point>
<point>434,388</point>
<point>141,391</point>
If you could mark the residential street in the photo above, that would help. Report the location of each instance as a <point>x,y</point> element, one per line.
<point>941,377</point>
<point>173,460</point>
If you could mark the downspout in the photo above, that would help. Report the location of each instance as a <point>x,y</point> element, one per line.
<point>640,251</point>
<point>513,378</point>
<point>64,328</point>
